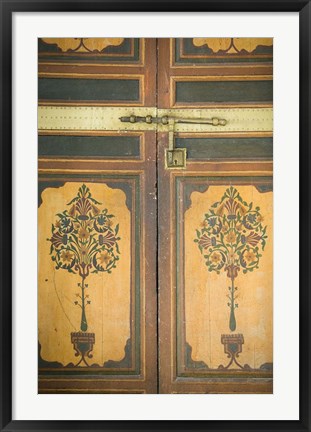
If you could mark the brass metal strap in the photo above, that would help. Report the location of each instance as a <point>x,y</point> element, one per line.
<point>70,118</point>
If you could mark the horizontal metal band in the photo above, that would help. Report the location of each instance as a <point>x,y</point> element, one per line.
<point>86,118</point>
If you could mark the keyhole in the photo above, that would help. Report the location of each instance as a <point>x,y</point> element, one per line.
<point>175,162</point>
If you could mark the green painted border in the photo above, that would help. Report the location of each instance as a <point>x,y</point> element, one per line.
<point>227,148</point>
<point>224,91</point>
<point>83,89</point>
<point>83,146</point>
<point>91,372</point>
<point>211,373</point>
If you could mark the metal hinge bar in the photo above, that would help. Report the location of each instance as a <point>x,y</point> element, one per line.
<point>164,120</point>
<point>174,158</point>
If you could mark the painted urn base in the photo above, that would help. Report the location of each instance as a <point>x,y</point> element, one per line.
<point>83,345</point>
<point>233,347</point>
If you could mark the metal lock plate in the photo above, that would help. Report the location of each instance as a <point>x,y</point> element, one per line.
<point>175,158</point>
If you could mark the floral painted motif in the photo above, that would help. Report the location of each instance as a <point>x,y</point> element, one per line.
<point>84,240</point>
<point>231,238</point>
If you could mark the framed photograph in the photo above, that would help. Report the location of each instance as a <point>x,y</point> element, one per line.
<point>155,216</point>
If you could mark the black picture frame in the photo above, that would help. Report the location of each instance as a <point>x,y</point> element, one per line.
<point>7,9</point>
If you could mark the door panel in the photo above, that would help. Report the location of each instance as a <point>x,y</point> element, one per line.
<point>208,90</point>
<point>245,148</point>
<point>155,179</point>
<point>215,221</point>
<point>96,219</point>
<point>202,65</point>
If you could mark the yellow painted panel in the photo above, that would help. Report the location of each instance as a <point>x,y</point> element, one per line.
<point>108,314</point>
<point>206,303</point>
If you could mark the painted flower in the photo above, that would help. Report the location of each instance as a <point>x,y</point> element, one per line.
<point>107,239</point>
<point>232,208</point>
<point>251,218</point>
<point>66,256</point>
<point>65,222</point>
<point>83,207</point>
<point>248,221</point>
<point>76,240</point>
<point>253,238</point>
<point>104,258</point>
<point>204,224</point>
<point>249,256</point>
<point>100,223</point>
<point>215,258</point>
<point>212,222</point>
<point>101,220</point>
<point>260,218</point>
<point>232,256</point>
<point>66,225</point>
<point>83,250</point>
<point>83,234</point>
<point>58,239</point>
<point>205,241</point>
<point>224,228</point>
<point>231,237</point>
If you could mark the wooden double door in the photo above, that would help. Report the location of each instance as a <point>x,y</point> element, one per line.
<point>155,215</point>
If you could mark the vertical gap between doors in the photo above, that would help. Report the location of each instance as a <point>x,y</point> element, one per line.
<point>157,221</point>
